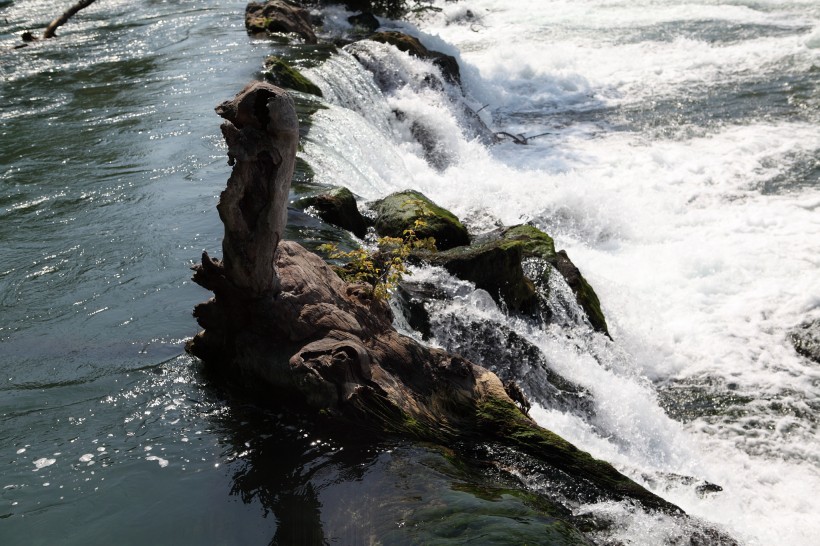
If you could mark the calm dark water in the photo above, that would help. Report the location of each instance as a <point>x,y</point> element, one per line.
<point>110,164</point>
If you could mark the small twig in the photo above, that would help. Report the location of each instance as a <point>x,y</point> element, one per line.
<point>520,138</point>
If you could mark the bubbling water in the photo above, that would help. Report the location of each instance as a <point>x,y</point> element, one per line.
<point>676,169</point>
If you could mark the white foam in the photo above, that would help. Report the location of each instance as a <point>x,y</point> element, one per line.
<point>701,274</point>
<point>162,462</point>
<point>43,462</point>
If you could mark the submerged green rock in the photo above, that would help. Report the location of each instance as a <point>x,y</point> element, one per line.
<point>280,73</point>
<point>399,211</point>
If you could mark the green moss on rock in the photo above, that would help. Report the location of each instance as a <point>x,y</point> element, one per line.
<point>399,212</point>
<point>534,243</point>
<point>584,294</point>
<point>280,73</point>
<point>503,420</point>
<point>494,266</point>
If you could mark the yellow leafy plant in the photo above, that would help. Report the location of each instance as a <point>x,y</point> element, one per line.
<point>383,266</point>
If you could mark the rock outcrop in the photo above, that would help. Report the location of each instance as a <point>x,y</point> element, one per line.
<point>447,64</point>
<point>281,74</point>
<point>279,16</point>
<point>400,211</point>
<point>285,325</point>
<point>806,340</point>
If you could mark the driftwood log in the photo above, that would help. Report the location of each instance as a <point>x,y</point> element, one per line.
<point>284,323</point>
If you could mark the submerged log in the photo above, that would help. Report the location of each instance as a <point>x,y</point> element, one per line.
<point>283,323</point>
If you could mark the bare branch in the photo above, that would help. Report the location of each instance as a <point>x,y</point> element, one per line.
<point>62,19</point>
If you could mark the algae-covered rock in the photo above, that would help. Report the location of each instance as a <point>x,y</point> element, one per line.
<point>494,266</point>
<point>337,207</point>
<point>280,73</point>
<point>534,243</point>
<point>411,45</point>
<point>584,294</point>
<point>279,16</point>
<point>537,244</point>
<point>399,211</point>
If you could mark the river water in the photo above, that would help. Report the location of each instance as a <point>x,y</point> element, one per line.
<point>674,154</point>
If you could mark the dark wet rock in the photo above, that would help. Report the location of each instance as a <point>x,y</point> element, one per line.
<point>410,299</point>
<point>438,156</point>
<point>366,22</point>
<point>512,358</point>
<point>435,154</point>
<point>279,16</point>
<point>399,211</point>
<point>584,294</point>
<point>494,266</point>
<point>411,45</point>
<point>705,489</point>
<point>393,9</point>
<point>806,340</point>
<point>337,207</point>
<point>280,73</point>
<point>433,144</point>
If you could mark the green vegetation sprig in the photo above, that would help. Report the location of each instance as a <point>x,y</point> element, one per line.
<point>383,267</point>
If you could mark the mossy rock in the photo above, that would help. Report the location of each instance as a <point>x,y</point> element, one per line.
<point>494,263</point>
<point>537,244</point>
<point>493,266</point>
<point>584,294</point>
<point>503,420</point>
<point>399,211</point>
<point>412,46</point>
<point>337,207</point>
<point>280,73</point>
<point>279,16</point>
<point>534,242</point>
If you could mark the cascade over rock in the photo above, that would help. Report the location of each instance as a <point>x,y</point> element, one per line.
<point>412,46</point>
<point>284,324</point>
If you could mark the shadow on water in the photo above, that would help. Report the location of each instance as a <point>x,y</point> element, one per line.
<point>341,486</point>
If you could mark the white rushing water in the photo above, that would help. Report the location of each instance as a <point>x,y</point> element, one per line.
<point>680,172</point>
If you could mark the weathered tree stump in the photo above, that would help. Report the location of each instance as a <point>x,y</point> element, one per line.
<point>282,322</point>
